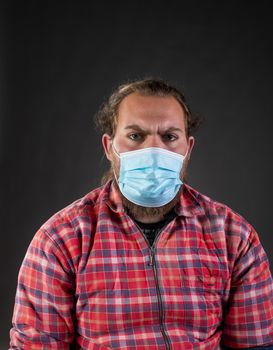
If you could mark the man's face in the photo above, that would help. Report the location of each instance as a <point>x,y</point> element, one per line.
<point>149,121</point>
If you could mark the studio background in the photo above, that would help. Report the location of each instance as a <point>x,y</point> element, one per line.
<point>58,62</point>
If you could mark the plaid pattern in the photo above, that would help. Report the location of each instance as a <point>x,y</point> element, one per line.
<point>90,279</point>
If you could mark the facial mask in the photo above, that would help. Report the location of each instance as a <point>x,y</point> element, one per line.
<point>150,177</point>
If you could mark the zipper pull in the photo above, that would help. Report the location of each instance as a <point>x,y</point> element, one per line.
<point>151,262</point>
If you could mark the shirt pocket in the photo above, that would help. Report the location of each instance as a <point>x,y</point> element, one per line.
<point>203,309</point>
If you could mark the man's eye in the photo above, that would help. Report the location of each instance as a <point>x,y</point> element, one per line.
<point>169,137</point>
<point>135,136</point>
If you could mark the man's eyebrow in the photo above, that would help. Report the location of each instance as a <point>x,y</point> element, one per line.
<point>134,127</point>
<point>172,128</point>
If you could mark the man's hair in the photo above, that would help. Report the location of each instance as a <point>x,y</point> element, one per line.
<point>107,116</point>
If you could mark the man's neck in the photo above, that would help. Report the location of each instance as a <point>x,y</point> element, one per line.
<point>157,219</point>
<point>151,219</point>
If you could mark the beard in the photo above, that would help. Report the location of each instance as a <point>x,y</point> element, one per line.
<point>137,211</point>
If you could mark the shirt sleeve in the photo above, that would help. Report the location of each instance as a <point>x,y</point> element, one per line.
<point>248,320</point>
<point>44,303</point>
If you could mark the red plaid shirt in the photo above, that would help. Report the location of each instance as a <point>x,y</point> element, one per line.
<point>90,279</point>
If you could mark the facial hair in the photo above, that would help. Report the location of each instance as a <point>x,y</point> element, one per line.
<point>137,211</point>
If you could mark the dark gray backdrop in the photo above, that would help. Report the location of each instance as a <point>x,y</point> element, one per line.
<point>60,59</point>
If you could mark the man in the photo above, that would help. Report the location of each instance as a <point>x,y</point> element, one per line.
<point>145,261</point>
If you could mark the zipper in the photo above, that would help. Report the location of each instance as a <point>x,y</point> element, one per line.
<point>160,307</point>
<point>152,263</point>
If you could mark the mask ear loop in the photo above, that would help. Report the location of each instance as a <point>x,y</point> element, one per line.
<point>114,148</point>
<point>116,153</point>
<point>185,156</point>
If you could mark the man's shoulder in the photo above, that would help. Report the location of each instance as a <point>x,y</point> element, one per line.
<point>217,210</point>
<point>68,233</point>
<point>80,212</point>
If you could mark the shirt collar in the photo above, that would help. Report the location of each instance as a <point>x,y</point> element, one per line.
<point>114,199</point>
<point>188,205</point>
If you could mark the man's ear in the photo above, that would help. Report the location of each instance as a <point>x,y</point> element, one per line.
<point>106,142</point>
<point>191,143</point>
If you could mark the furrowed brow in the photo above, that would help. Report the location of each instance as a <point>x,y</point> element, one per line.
<point>136,127</point>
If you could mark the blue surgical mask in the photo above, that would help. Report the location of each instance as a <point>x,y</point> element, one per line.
<point>149,177</point>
